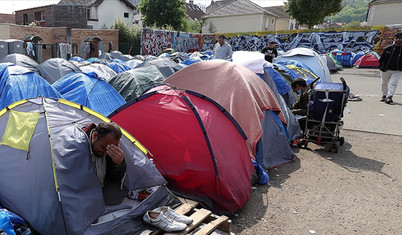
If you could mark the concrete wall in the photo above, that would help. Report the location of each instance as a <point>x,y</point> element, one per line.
<point>4,31</point>
<point>244,23</point>
<point>385,14</point>
<point>109,11</point>
<point>282,24</point>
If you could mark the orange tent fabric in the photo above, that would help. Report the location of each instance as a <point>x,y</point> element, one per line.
<point>236,88</point>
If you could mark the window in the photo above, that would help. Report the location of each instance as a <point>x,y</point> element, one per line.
<point>126,14</point>
<point>88,14</point>
<point>39,16</point>
<point>25,16</point>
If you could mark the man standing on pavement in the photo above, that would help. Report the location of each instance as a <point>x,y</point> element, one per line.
<point>391,68</point>
<point>222,49</point>
<point>270,52</point>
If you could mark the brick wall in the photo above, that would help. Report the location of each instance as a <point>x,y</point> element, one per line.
<point>7,18</point>
<point>52,36</point>
<point>80,35</point>
<point>47,13</point>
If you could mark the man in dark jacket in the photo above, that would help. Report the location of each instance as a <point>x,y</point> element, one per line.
<point>391,67</point>
<point>270,52</point>
<point>300,87</point>
<point>299,108</point>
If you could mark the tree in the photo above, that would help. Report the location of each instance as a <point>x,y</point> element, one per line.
<point>163,13</point>
<point>195,26</point>
<point>127,34</point>
<point>312,12</point>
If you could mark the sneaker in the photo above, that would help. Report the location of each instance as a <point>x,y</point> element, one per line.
<point>171,214</point>
<point>389,100</point>
<point>383,98</point>
<point>162,222</point>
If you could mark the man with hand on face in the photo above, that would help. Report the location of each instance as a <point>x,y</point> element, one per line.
<point>106,155</point>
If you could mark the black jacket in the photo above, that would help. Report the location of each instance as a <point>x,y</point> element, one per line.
<point>391,58</point>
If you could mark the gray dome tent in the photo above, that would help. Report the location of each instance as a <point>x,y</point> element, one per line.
<point>133,83</point>
<point>46,178</point>
<point>56,68</point>
<point>24,61</point>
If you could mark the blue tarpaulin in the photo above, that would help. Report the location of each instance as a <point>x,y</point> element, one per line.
<point>91,91</point>
<point>17,83</point>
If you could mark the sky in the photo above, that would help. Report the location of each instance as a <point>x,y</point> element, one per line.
<point>9,6</point>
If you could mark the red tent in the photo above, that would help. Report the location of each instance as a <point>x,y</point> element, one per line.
<point>197,146</point>
<point>367,61</point>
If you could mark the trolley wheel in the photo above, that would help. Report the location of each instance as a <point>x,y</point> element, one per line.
<point>335,147</point>
<point>305,144</point>
<point>341,141</point>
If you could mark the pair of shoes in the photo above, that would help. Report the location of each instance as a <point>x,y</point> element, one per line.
<point>383,98</point>
<point>389,100</point>
<point>159,220</point>
<point>171,214</point>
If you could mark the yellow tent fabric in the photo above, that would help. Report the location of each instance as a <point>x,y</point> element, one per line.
<point>19,130</point>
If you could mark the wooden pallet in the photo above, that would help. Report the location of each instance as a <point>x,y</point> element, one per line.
<point>204,221</point>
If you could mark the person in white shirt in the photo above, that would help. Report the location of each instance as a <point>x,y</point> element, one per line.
<point>222,49</point>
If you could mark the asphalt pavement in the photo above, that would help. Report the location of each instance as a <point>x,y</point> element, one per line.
<point>370,115</point>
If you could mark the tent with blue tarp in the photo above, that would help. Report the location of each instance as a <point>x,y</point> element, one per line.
<point>315,62</point>
<point>300,72</point>
<point>190,61</point>
<point>17,83</point>
<point>344,57</point>
<point>118,67</point>
<point>91,91</point>
<point>281,85</point>
<point>77,58</point>
<point>285,101</point>
<point>295,63</point>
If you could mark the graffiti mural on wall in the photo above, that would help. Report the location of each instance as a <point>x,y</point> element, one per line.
<point>322,42</point>
<point>155,41</point>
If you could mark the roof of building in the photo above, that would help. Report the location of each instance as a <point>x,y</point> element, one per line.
<point>193,11</point>
<point>278,11</point>
<point>383,1</point>
<point>238,7</point>
<point>92,2</point>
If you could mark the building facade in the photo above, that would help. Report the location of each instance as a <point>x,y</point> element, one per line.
<point>384,12</point>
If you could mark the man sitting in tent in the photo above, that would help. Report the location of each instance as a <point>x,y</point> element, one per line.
<point>300,107</point>
<point>107,157</point>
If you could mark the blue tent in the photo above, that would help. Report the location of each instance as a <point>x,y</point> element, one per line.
<point>281,85</point>
<point>76,58</point>
<point>91,91</point>
<point>118,67</point>
<point>17,83</point>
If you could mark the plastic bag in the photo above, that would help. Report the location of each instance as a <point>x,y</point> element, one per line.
<point>5,223</point>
